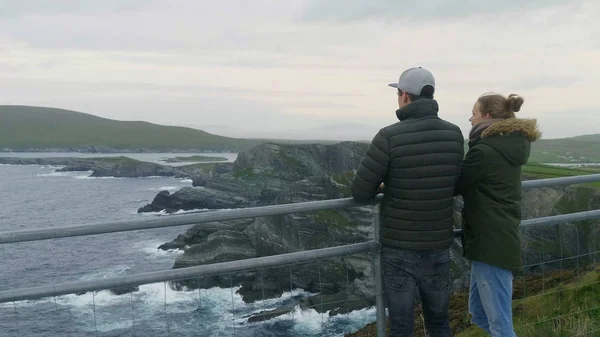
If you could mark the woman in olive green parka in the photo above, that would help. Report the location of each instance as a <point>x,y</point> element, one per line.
<point>490,183</point>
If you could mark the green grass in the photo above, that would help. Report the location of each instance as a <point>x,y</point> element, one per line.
<point>116,160</point>
<point>23,127</point>
<point>555,171</point>
<point>333,219</point>
<point>571,309</point>
<point>247,173</point>
<point>343,179</point>
<point>548,171</point>
<point>557,304</point>
<point>206,167</point>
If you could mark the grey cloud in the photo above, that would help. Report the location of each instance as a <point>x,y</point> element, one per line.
<point>93,33</point>
<point>17,8</point>
<point>561,123</point>
<point>524,83</point>
<point>189,90</point>
<point>351,10</point>
<point>17,67</point>
<point>12,68</point>
<point>537,82</point>
<point>192,28</point>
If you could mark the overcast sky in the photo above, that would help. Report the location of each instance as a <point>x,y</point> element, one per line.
<point>280,66</point>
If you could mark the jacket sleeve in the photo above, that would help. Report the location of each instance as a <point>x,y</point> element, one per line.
<point>472,170</point>
<point>372,170</point>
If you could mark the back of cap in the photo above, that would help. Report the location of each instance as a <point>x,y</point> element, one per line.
<point>413,80</point>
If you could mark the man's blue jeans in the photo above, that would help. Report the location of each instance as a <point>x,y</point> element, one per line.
<point>404,273</point>
<point>490,299</point>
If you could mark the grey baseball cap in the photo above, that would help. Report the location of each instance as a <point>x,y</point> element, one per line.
<point>413,80</point>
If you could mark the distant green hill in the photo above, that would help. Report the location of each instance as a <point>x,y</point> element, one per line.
<point>580,149</point>
<point>25,127</point>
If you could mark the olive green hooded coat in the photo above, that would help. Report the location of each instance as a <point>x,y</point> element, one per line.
<point>490,184</point>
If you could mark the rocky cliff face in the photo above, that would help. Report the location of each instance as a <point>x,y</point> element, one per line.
<point>296,162</point>
<point>275,174</point>
<point>269,173</point>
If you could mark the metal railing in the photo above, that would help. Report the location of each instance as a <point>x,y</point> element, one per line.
<point>372,246</point>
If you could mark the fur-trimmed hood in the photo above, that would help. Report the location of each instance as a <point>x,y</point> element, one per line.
<point>512,126</point>
<point>512,138</point>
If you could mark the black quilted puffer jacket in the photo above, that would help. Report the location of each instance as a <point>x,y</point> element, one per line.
<point>419,161</point>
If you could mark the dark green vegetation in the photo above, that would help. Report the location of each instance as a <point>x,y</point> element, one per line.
<point>204,167</point>
<point>23,128</point>
<point>574,304</point>
<point>113,160</point>
<point>334,219</point>
<point>196,159</point>
<point>548,171</point>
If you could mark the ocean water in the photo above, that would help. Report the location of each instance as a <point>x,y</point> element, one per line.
<point>37,197</point>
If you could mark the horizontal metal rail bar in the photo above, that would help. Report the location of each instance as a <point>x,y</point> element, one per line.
<point>177,220</point>
<point>185,273</point>
<point>552,220</point>
<point>549,182</point>
<point>557,219</point>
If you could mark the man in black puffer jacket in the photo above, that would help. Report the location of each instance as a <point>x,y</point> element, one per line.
<point>416,163</point>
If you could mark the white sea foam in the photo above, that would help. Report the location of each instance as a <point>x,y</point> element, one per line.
<point>151,248</point>
<point>56,167</point>
<point>74,174</point>
<point>110,272</point>
<point>223,307</point>
<point>90,177</point>
<point>164,213</point>
<point>165,188</point>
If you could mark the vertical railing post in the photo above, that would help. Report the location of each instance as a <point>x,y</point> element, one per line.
<point>379,301</point>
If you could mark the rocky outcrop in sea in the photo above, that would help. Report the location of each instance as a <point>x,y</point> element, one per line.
<point>121,167</point>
